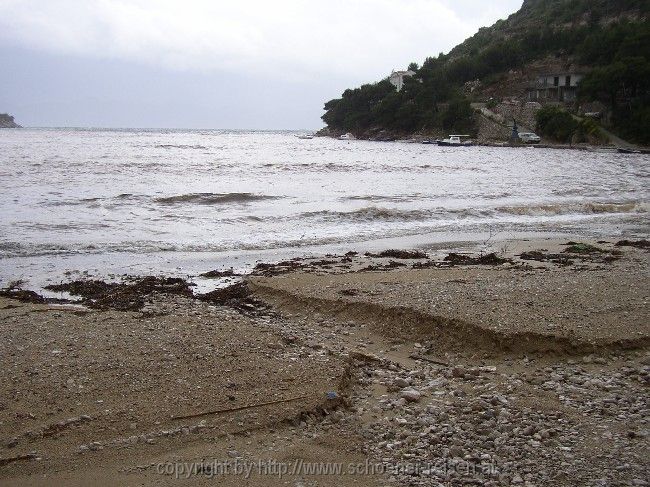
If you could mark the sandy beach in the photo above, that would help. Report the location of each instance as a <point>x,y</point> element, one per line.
<point>307,244</point>
<point>526,367</point>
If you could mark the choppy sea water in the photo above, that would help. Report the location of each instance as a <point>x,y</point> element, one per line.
<point>143,201</point>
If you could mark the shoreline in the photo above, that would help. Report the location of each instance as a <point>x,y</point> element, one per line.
<point>36,272</point>
<point>422,139</point>
<point>506,255</point>
<point>433,360</point>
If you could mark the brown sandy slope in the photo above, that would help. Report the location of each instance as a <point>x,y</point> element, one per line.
<point>570,309</point>
<point>87,397</point>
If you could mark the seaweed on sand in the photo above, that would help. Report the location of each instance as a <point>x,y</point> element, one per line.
<point>123,296</point>
<point>237,296</point>
<point>486,259</point>
<point>400,254</point>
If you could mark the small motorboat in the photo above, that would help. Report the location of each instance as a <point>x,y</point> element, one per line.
<point>454,141</point>
<point>305,136</point>
<point>347,136</point>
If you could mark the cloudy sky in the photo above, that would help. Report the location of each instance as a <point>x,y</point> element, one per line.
<point>212,63</point>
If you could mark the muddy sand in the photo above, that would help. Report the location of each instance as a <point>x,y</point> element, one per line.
<point>398,369</point>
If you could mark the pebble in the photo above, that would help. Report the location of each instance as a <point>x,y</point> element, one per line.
<point>411,395</point>
<point>401,382</point>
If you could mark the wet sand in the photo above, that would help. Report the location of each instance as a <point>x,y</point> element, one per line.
<point>522,370</point>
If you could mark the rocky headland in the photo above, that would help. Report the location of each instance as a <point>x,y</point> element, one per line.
<point>7,122</point>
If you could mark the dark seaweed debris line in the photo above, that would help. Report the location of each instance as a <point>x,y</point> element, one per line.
<point>123,296</point>
<point>134,293</point>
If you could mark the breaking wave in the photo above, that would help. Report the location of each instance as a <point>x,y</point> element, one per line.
<point>377,213</point>
<point>575,208</point>
<point>379,197</point>
<point>180,146</point>
<point>82,201</point>
<point>214,198</point>
<point>93,202</point>
<point>370,213</point>
<point>42,226</point>
<point>192,198</point>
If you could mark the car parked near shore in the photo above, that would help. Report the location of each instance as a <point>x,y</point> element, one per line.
<point>529,138</point>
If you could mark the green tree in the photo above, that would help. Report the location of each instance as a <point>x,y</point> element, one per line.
<point>555,123</point>
<point>458,117</point>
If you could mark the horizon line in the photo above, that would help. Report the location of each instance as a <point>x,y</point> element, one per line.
<point>90,127</point>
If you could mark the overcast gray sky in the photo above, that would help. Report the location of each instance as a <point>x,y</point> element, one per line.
<point>213,63</point>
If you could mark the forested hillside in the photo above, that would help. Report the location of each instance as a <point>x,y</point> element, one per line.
<point>608,39</point>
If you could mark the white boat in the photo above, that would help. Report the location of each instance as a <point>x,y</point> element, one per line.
<point>454,140</point>
<point>347,136</point>
<point>305,136</point>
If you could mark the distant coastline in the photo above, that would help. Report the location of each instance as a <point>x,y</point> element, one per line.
<point>7,122</point>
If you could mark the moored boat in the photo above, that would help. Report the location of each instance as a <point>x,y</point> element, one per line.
<point>454,141</point>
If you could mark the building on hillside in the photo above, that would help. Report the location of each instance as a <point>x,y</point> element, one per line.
<point>555,87</point>
<point>396,78</point>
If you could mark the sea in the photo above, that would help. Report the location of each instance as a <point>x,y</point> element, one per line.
<point>99,202</point>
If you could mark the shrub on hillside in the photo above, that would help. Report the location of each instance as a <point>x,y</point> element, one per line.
<point>555,123</point>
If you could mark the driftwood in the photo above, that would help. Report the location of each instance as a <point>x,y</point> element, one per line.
<point>430,360</point>
<point>239,408</point>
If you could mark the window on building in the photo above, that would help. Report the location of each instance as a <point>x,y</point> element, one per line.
<point>556,81</point>
<point>567,81</point>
